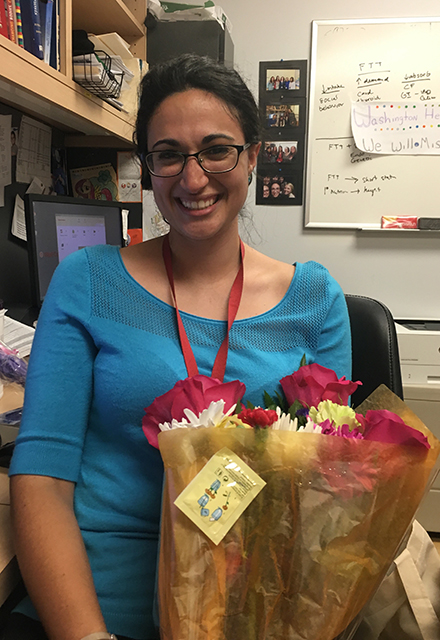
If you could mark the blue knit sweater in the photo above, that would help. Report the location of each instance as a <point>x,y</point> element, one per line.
<point>103,350</point>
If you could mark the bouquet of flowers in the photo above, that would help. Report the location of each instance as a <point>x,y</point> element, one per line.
<point>325,497</point>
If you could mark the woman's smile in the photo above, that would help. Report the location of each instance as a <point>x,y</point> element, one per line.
<point>197,203</point>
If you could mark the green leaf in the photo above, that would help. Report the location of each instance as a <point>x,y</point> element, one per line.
<point>296,406</point>
<point>268,400</point>
<point>282,402</point>
<point>303,361</point>
<point>249,405</point>
<point>238,407</point>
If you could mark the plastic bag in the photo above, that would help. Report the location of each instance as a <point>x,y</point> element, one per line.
<point>12,367</point>
<point>308,553</point>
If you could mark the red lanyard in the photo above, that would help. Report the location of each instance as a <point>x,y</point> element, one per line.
<point>218,370</point>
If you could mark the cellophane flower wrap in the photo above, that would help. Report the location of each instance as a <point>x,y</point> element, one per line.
<point>309,552</point>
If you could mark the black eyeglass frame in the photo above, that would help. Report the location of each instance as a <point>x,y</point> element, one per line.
<point>239,148</point>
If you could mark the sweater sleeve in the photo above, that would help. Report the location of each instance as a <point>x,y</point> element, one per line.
<point>334,346</point>
<point>60,378</point>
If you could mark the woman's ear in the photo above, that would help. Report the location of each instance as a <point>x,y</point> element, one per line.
<point>253,152</point>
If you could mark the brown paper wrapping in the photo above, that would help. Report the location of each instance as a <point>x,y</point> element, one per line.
<point>312,548</point>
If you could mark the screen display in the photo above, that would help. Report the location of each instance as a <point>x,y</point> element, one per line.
<point>58,226</point>
<point>76,232</point>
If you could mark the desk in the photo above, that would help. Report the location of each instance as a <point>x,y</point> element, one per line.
<point>12,399</point>
<point>9,573</point>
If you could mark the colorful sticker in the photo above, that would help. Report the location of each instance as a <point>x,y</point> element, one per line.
<point>220,492</point>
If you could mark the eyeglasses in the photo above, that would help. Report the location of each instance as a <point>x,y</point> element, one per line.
<point>219,159</point>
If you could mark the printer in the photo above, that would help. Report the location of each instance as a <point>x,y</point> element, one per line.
<point>419,348</point>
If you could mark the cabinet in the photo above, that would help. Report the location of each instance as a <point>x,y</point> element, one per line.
<point>52,96</point>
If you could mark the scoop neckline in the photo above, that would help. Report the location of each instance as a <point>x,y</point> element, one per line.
<point>192,316</point>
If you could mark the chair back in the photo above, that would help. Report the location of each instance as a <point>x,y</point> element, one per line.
<point>375,352</point>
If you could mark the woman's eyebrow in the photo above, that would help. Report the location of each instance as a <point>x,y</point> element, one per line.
<point>170,141</point>
<point>206,140</point>
<point>216,136</point>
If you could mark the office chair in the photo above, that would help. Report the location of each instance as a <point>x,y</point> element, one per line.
<point>375,352</point>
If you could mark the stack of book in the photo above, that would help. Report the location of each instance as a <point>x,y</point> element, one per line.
<point>33,25</point>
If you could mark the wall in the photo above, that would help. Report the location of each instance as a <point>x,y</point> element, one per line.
<point>401,271</point>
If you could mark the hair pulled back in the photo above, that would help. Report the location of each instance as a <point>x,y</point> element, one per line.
<point>190,71</point>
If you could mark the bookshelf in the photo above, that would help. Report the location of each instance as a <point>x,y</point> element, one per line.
<point>29,84</point>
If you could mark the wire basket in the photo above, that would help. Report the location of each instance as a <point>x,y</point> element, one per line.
<point>93,72</point>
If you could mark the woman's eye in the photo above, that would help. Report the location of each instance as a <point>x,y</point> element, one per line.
<point>168,156</point>
<point>217,153</point>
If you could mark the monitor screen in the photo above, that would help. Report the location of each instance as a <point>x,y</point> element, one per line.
<point>57,226</point>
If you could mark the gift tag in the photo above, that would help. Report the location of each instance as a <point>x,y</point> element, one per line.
<point>220,492</point>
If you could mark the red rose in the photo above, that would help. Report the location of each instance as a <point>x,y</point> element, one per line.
<point>195,393</point>
<point>258,417</point>
<point>312,383</point>
<point>384,426</point>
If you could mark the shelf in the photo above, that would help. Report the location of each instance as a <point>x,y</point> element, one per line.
<point>28,83</point>
<point>107,16</point>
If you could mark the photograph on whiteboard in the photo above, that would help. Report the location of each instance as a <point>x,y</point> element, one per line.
<point>279,189</point>
<point>279,152</point>
<point>283,79</point>
<point>282,116</point>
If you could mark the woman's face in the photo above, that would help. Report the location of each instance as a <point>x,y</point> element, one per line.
<point>197,204</point>
<point>275,190</point>
<point>287,189</point>
<point>265,191</point>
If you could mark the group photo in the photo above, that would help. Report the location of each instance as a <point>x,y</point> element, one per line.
<point>279,152</point>
<point>282,115</point>
<point>286,79</point>
<point>278,187</point>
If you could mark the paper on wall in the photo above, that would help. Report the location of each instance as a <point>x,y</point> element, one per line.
<point>34,150</point>
<point>129,177</point>
<point>5,150</point>
<point>95,183</point>
<point>153,224</point>
<point>18,226</point>
<point>396,128</point>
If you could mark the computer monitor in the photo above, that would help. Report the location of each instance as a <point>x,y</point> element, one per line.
<point>57,226</point>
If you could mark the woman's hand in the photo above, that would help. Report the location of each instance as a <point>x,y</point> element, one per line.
<point>52,557</point>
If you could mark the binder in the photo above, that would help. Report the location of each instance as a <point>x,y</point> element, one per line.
<point>3,22</point>
<point>31,24</point>
<point>10,18</point>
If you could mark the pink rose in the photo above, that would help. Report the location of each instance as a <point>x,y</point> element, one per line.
<point>384,426</point>
<point>312,383</point>
<point>195,393</point>
<point>258,417</point>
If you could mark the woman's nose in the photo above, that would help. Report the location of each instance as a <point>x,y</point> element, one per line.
<point>193,178</point>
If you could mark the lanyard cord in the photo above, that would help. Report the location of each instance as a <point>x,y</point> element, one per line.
<point>218,370</point>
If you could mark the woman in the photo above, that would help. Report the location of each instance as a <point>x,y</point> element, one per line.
<point>289,190</point>
<point>86,484</point>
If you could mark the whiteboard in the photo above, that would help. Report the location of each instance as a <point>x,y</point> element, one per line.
<point>367,61</point>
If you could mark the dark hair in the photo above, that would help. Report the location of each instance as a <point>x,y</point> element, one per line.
<point>190,71</point>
